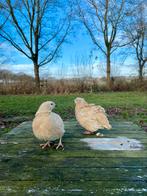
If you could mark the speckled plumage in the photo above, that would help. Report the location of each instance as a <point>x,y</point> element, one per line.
<point>90,116</point>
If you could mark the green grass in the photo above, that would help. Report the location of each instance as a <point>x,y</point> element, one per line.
<point>27,105</point>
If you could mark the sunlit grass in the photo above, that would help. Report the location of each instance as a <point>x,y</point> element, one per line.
<point>27,105</point>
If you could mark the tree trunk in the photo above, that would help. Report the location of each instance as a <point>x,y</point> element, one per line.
<point>108,70</point>
<point>37,78</point>
<point>140,72</point>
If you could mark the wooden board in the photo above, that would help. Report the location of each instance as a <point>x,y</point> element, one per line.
<point>25,169</point>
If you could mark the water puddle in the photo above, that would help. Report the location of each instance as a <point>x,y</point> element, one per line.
<point>119,143</point>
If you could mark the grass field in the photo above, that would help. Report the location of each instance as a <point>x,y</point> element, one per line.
<point>27,105</point>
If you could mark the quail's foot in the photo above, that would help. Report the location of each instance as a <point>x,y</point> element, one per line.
<point>43,146</point>
<point>60,146</point>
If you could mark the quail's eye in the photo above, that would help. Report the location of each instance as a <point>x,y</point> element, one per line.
<point>51,103</point>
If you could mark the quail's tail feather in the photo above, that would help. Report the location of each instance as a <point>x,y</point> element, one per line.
<point>109,127</point>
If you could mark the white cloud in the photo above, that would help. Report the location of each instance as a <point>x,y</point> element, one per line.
<point>59,71</point>
<point>25,68</point>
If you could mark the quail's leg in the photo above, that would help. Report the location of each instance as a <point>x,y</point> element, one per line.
<point>47,144</point>
<point>60,144</point>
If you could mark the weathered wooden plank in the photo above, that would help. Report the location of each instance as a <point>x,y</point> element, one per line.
<point>61,188</point>
<point>9,152</point>
<point>70,147</point>
<point>73,162</point>
<point>70,136</point>
<point>32,140</point>
<point>27,172</point>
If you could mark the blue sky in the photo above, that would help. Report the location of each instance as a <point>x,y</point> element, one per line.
<point>79,45</point>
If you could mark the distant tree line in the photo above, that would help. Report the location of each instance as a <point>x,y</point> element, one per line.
<point>20,83</point>
<point>38,28</point>
<point>10,77</point>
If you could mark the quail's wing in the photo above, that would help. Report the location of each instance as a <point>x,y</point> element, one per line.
<point>98,113</point>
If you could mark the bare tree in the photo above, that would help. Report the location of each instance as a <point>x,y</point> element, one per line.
<point>2,23</point>
<point>36,28</point>
<point>136,30</point>
<point>102,19</point>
